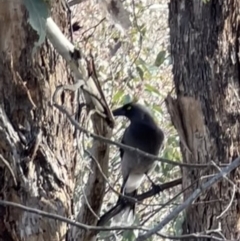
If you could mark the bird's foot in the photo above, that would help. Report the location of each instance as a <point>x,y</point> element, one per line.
<point>156,188</point>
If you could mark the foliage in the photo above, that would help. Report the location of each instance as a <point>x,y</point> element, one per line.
<point>134,66</point>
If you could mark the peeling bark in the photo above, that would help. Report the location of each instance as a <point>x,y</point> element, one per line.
<point>205,50</point>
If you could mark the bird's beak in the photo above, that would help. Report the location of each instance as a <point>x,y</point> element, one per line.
<point>118,112</point>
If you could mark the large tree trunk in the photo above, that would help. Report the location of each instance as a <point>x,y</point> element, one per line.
<point>205,51</point>
<point>36,139</point>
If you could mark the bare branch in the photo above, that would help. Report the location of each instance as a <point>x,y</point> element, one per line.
<point>75,2</point>
<point>196,236</point>
<point>75,59</point>
<point>233,192</point>
<point>125,147</point>
<point>9,168</point>
<point>106,179</point>
<point>189,201</point>
<point>158,188</point>
<point>67,220</point>
<point>173,198</point>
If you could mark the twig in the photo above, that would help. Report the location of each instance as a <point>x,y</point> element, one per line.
<point>157,189</point>
<point>175,197</point>
<point>125,147</point>
<point>196,236</point>
<point>169,201</point>
<point>95,26</point>
<point>233,194</point>
<point>9,168</point>
<point>106,179</point>
<point>88,204</point>
<point>67,220</point>
<point>190,199</point>
<point>81,85</point>
<point>74,2</point>
<point>74,58</point>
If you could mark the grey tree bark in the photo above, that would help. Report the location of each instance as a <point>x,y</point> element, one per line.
<point>205,51</point>
<point>36,140</point>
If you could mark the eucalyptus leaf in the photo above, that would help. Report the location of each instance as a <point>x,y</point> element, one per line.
<point>140,72</point>
<point>152,89</point>
<point>160,58</point>
<point>118,96</point>
<point>128,235</point>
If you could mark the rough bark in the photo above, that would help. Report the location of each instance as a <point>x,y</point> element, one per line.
<point>205,51</point>
<point>36,140</point>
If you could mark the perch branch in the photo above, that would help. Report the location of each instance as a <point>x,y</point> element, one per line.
<point>66,220</point>
<point>155,190</point>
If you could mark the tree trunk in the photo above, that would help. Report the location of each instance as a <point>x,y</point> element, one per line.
<point>205,51</point>
<point>36,139</point>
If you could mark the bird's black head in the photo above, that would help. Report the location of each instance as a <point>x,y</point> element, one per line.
<point>134,112</point>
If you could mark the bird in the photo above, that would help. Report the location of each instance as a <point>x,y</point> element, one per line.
<point>144,134</point>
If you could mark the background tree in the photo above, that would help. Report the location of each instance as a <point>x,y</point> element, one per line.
<point>42,154</point>
<point>205,51</point>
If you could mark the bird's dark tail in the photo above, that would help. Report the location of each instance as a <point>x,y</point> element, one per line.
<point>126,216</point>
<point>122,213</point>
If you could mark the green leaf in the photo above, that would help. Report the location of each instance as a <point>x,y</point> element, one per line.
<point>118,96</point>
<point>39,11</point>
<point>157,108</point>
<point>140,72</point>
<point>160,58</point>
<point>153,69</point>
<point>128,235</point>
<point>152,89</point>
<point>141,62</point>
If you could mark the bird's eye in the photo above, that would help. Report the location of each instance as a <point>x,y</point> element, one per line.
<point>129,107</point>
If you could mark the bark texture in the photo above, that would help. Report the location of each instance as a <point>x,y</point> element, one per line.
<point>205,51</point>
<point>35,138</point>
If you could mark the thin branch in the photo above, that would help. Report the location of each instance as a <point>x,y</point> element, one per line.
<point>169,202</point>
<point>75,58</point>
<point>94,26</point>
<point>191,199</point>
<point>233,193</point>
<point>88,204</point>
<point>9,168</point>
<point>75,2</point>
<point>125,147</point>
<point>175,197</point>
<point>159,188</point>
<point>106,179</point>
<point>67,220</point>
<point>196,236</point>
